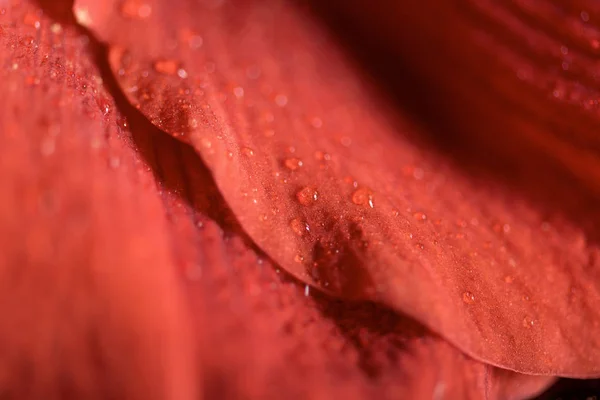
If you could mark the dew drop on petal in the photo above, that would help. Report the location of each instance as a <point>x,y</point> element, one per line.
<point>306,290</point>
<point>166,67</point>
<point>247,151</point>
<point>292,163</point>
<point>281,100</point>
<point>363,197</point>
<point>238,92</point>
<point>135,9</point>
<point>32,19</point>
<point>299,258</point>
<point>468,297</point>
<point>528,322</point>
<point>299,227</point>
<point>191,39</point>
<point>316,122</point>
<point>346,141</point>
<point>182,73</point>
<point>82,15</point>
<point>206,143</point>
<point>420,216</point>
<point>307,196</point>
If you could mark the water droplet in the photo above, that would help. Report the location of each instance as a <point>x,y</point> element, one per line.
<point>420,216</point>
<point>135,9</point>
<point>299,258</point>
<point>56,28</point>
<point>206,143</point>
<point>525,297</point>
<point>32,81</point>
<point>306,290</point>
<point>316,122</point>
<point>32,19</point>
<point>192,39</point>
<point>247,151</point>
<point>292,163</point>
<point>395,212</point>
<point>82,15</point>
<point>528,322</point>
<point>320,156</point>
<point>299,226</point>
<point>307,195</point>
<point>182,73</point>
<point>468,297</point>
<point>363,196</point>
<point>238,92</point>
<point>166,67</point>
<point>281,100</point>
<point>263,217</point>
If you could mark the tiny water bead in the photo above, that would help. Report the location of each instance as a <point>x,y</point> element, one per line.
<point>528,322</point>
<point>468,297</point>
<point>363,197</point>
<point>307,196</point>
<point>420,216</point>
<point>292,163</point>
<point>135,9</point>
<point>299,226</point>
<point>247,151</point>
<point>32,19</point>
<point>82,15</point>
<point>299,258</point>
<point>166,67</point>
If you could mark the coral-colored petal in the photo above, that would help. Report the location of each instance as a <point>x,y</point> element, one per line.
<point>333,186</point>
<point>267,336</point>
<point>89,301</point>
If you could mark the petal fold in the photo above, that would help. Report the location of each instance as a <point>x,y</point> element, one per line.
<point>338,188</point>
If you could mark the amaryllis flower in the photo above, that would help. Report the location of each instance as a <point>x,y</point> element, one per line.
<point>266,199</point>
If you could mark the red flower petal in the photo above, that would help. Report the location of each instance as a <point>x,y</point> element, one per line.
<point>89,294</point>
<point>265,335</point>
<point>89,300</point>
<point>323,176</point>
<point>535,61</point>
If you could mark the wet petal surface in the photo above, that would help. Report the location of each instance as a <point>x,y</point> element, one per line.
<point>89,297</point>
<point>116,242</point>
<point>333,184</point>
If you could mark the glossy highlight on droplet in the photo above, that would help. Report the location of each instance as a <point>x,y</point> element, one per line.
<point>307,196</point>
<point>166,67</point>
<point>292,163</point>
<point>468,297</point>
<point>363,197</point>
<point>299,226</point>
<point>135,9</point>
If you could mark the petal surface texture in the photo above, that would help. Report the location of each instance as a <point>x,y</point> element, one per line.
<point>90,301</point>
<point>334,184</point>
<point>122,269</point>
